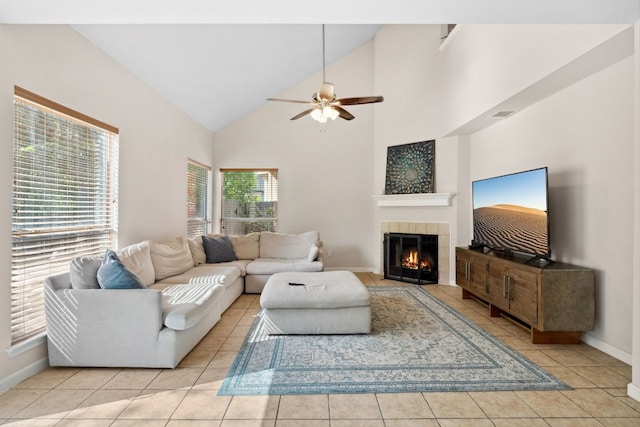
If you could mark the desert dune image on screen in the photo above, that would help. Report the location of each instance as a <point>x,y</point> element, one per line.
<point>510,212</point>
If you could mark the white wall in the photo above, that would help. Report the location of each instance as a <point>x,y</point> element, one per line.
<point>485,65</point>
<point>155,141</point>
<point>324,171</point>
<point>585,135</point>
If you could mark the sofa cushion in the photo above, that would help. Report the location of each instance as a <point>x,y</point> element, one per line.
<point>218,249</point>
<point>247,246</point>
<point>212,274</point>
<point>287,246</point>
<point>241,264</point>
<point>197,250</point>
<point>183,306</point>
<point>314,251</point>
<point>112,274</point>
<point>279,265</point>
<point>83,272</point>
<point>137,259</point>
<point>171,258</point>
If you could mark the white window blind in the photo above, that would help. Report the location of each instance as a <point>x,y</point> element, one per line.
<point>249,201</point>
<point>65,167</point>
<point>198,205</point>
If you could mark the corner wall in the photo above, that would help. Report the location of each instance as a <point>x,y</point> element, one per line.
<point>408,75</point>
<point>57,63</point>
<point>324,170</point>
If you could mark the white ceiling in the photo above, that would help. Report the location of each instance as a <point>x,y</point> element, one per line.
<point>218,73</point>
<point>217,60</point>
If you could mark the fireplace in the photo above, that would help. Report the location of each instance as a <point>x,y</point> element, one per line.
<point>411,257</point>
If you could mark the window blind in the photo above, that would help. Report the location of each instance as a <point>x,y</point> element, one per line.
<point>249,201</point>
<point>65,167</point>
<point>198,205</point>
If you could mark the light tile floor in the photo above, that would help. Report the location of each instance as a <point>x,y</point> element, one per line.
<point>186,396</point>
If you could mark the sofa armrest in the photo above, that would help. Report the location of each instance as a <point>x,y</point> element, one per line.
<point>101,327</point>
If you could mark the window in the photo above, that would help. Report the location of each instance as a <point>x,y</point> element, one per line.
<point>198,206</point>
<point>249,201</point>
<point>65,167</point>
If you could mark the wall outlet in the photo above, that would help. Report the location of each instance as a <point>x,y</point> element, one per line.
<point>329,252</point>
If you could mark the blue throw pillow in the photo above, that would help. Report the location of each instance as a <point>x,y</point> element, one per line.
<point>112,274</point>
<point>218,249</point>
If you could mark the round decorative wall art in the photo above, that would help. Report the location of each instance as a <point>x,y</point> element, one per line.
<point>410,168</point>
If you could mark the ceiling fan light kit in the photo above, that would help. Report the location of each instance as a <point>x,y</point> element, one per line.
<point>324,104</point>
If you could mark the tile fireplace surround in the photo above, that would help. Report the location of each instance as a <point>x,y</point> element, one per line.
<point>441,229</point>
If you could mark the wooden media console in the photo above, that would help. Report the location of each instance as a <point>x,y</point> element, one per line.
<point>556,300</point>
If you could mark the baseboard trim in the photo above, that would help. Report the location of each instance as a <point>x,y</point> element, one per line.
<point>633,391</point>
<point>352,269</point>
<point>24,373</point>
<point>607,348</point>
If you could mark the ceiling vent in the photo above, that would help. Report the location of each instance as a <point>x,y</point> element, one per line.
<point>502,114</point>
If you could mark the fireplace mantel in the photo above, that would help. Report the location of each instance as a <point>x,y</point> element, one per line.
<point>422,199</point>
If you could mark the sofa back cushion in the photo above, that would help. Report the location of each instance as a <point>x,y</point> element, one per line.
<point>171,258</point>
<point>83,272</point>
<point>137,259</point>
<point>247,246</point>
<point>287,246</point>
<point>197,250</point>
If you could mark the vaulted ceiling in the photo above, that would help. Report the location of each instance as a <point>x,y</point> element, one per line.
<point>217,61</point>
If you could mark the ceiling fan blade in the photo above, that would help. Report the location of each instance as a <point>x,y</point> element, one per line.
<point>290,100</point>
<point>304,113</point>
<point>360,100</point>
<point>344,114</point>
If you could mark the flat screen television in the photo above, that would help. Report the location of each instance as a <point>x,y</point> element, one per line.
<point>510,213</point>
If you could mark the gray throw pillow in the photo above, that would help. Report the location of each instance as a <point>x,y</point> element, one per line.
<point>218,249</point>
<point>83,272</point>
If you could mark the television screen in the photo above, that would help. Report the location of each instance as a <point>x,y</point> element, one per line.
<point>510,212</point>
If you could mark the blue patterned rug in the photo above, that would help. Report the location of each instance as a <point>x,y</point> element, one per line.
<point>417,343</point>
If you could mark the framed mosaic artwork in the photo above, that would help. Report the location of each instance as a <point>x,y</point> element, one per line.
<point>410,168</point>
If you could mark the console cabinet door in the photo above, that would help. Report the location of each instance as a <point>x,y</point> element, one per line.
<point>497,284</point>
<point>471,273</point>
<point>514,289</point>
<point>522,292</point>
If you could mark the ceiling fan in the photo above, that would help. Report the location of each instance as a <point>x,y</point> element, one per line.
<point>324,104</point>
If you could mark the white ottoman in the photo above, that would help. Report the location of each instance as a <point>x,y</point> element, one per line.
<point>328,302</point>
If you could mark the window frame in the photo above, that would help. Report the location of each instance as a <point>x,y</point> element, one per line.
<point>73,218</point>
<point>233,222</point>
<point>192,204</point>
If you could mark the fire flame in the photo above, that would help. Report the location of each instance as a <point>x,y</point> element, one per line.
<point>412,262</point>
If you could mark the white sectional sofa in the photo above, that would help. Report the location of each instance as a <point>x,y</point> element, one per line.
<point>181,297</point>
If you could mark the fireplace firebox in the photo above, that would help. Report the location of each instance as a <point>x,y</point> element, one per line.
<point>411,257</point>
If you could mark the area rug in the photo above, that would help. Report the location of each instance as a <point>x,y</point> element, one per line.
<point>417,343</point>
